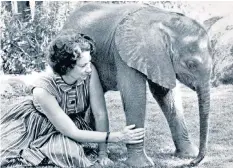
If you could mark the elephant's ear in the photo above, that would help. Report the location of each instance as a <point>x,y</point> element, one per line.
<point>145,46</point>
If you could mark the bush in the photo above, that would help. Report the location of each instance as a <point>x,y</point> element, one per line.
<point>221,37</point>
<point>24,41</point>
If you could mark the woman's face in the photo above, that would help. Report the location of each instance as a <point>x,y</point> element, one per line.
<point>83,67</point>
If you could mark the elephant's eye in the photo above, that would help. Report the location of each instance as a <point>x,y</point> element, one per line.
<point>192,65</point>
<point>192,49</point>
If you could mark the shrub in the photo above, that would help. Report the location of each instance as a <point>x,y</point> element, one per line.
<point>24,41</point>
<point>221,36</point>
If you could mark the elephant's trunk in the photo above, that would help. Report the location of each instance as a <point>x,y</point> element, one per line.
<point>203,93</point>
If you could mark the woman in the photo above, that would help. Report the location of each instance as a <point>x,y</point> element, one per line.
<point>51,128</point>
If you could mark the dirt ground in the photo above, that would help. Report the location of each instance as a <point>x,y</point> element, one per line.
<point>158,142</point>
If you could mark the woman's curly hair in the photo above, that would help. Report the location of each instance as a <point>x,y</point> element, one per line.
<point>63,54</point>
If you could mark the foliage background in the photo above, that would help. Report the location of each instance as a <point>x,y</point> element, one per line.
<point>23,40</point>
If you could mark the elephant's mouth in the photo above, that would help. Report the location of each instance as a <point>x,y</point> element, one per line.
<point>187,80</point>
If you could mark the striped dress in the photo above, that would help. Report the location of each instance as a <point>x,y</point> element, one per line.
<point>29,138</point>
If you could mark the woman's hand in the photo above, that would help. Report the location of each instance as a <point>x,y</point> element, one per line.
<point>103,159</point>
<point>131,136</point>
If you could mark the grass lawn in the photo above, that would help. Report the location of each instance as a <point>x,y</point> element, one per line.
<point>158,142</point>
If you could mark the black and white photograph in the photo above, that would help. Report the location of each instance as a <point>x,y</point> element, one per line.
<point>116,84</point>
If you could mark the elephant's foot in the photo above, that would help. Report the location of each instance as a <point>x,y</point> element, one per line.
<point>186,150</point>
<point>138,158</point>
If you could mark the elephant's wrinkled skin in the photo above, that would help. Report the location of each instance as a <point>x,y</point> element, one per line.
<point>138,44</point>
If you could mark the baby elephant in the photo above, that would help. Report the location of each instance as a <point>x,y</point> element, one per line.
<point>136,44</point>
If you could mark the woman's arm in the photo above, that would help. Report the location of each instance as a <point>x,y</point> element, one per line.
<point>98,106</point>
<point>64,124</point>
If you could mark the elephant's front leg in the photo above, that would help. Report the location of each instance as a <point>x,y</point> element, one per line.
<point>171,105</point>
<point>132,85</point>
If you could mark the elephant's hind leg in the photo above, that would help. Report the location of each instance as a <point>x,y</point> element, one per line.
<point>171,105</point>
<point>132,85</point>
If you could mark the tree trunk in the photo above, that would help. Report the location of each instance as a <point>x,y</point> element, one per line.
<point>24,9</point>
